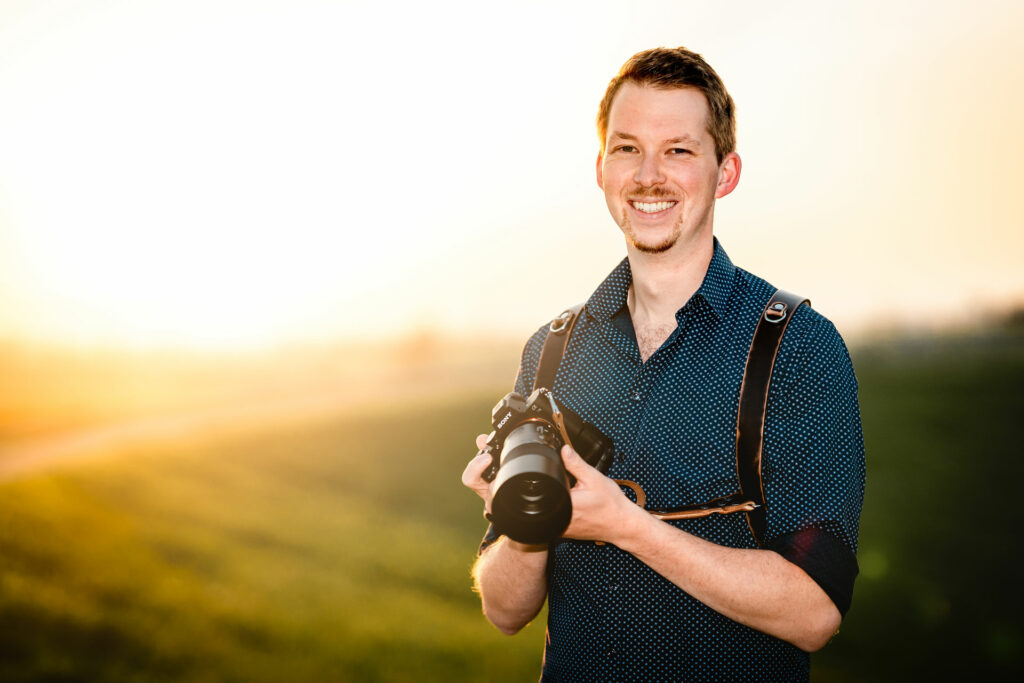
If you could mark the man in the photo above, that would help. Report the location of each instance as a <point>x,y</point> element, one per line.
<point>656,361</point>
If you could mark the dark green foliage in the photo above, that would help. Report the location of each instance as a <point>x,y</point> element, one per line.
<point>938,597</point>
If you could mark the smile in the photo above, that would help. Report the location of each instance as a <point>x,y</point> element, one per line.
<point>652,207</point>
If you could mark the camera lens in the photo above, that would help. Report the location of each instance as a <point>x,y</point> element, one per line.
<point>531,497</point>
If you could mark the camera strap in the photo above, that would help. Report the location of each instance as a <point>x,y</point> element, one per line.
<point>757,375</point>
<point>753,403</point>
<point>554,347</point>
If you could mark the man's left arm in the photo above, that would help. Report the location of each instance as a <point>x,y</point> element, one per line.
<point>814,494</point>
<point>758,588</point>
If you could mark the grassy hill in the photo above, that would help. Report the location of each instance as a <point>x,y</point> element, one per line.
<point>339,548</point>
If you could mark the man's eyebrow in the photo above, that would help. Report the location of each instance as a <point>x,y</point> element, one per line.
<point>683,139</point>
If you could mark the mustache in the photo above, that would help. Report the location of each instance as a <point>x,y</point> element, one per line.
<point>656,192</point>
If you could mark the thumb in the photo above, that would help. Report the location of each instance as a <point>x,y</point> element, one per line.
<point>576,465</point>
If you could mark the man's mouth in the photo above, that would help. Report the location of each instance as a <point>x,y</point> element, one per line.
<point>651,207</point>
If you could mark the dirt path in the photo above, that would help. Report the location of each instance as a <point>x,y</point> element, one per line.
<point>26,457</point>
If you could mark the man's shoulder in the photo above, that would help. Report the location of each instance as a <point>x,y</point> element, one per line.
<point>534,346</point>
<point>811,339</point>
<point>536,341</point>
<point>531,358</point>
<point>752,294</point>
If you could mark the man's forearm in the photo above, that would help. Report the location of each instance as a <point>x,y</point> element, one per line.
<point>512,581</point>
<point>758,588</point>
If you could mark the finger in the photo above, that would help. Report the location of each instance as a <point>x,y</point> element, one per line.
<point>471,476</point>
<point>481,441</point>
<point>576,465</point>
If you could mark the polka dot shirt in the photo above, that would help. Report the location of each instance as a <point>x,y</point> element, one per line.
<point>673,421</point>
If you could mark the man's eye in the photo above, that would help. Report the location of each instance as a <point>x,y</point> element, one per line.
<point>679,150</point>
<point>625,148</point>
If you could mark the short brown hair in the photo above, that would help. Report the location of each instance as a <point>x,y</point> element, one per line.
<point>665,67</point>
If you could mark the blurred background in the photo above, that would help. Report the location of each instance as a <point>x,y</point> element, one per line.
<point>266,266</point>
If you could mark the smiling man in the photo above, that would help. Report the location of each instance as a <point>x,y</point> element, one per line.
<point>656,361</point>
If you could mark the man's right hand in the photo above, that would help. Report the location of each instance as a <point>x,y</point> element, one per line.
<point>472,476</point>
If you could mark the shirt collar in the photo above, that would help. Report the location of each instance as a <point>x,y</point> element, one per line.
<point>718,281</point>
<point>610,296</point>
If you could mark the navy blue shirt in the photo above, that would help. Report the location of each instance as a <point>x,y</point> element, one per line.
<point>673,421</point>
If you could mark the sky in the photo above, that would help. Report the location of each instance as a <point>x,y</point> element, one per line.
<point>233,175</point>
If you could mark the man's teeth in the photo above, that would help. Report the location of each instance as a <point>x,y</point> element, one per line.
<point>652,207</point>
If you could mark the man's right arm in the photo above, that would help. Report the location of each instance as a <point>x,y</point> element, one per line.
<point>510,577</point>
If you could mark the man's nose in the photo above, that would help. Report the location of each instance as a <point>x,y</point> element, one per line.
<point>649,171</point>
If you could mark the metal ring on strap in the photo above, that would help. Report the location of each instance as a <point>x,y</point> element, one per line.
<point>776,313</point>
<point>559,324</point>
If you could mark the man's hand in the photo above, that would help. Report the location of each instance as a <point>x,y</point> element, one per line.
<point>471,476</point>
<point>600,510</point>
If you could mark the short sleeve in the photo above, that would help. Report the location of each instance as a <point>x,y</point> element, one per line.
<point>813,459</point>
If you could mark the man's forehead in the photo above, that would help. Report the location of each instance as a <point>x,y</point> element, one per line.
<point>681,113</point>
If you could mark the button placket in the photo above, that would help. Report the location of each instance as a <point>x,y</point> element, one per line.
<point>632,409</point>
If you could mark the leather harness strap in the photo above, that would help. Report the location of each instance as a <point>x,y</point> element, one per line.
<point>757,375</point>
<point>554,347</point>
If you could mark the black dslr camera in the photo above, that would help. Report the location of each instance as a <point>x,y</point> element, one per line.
<point>531,493</point>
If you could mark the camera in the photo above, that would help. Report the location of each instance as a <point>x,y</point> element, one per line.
<point>531,501</point>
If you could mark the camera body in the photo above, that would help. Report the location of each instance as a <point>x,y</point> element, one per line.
<point>531,502</point>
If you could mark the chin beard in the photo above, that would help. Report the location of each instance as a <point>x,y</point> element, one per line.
<point>645,247</point>
<point>659,248</point>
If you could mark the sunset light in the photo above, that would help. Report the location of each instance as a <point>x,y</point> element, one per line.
<point>233,174</point>
<point>267,266</point>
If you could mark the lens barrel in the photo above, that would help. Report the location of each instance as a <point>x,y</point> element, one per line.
<point>531,496</point>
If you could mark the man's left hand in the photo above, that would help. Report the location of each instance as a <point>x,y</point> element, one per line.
<point>600,510</point>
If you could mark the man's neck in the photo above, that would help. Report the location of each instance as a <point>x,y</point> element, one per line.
<point>663,283</point>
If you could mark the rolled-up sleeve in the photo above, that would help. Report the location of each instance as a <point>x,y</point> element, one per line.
<point>813,458</point>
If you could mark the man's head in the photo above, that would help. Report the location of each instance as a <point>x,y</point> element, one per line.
<point>667,68</point>
<point>666,151</point>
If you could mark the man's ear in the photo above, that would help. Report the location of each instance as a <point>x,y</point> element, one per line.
<point>600,171</point>
<point>728,174</point>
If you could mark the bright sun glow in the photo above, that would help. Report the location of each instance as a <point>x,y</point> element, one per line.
<point>232,173</point>
<point>197,177</point>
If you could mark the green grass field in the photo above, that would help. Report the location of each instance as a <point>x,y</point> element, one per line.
<point>340,549</point>
<point>337,550</point>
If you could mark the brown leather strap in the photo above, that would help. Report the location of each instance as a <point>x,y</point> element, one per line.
<point>757,375</point>
<point>554,347</point>
<point>725,505</point>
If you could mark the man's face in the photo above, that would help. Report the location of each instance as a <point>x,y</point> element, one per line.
<point>659,171</point>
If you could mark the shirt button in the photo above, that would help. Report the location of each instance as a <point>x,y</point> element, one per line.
<point>636,395</point>
<point>613,586</point>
